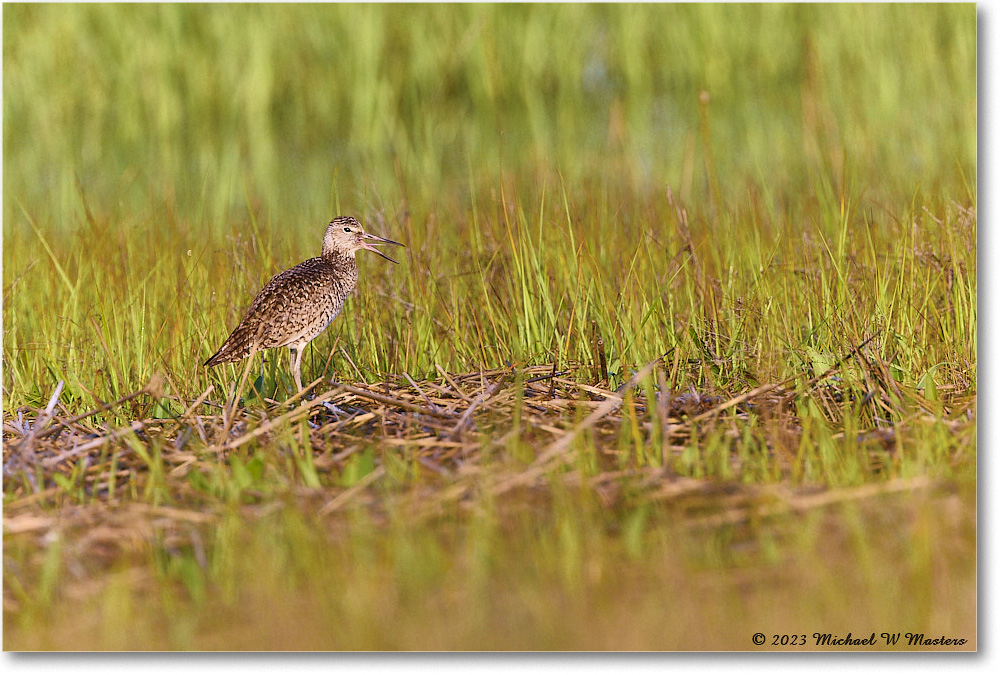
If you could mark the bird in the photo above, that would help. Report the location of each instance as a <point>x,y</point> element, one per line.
<point>296,305</point>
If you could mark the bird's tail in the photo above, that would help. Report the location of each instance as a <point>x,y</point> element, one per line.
<point>237,346</point>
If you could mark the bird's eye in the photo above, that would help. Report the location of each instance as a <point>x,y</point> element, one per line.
<point>347,229</point>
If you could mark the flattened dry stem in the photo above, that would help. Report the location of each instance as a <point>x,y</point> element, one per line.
<point>425,422</point>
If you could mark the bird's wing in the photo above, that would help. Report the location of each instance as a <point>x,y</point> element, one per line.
<point>283,311</point>
<point>288,303</point>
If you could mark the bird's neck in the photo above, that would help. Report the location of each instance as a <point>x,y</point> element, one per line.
<point>339,258</point>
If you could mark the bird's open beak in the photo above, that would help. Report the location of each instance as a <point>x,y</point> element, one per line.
<point>370,241</point>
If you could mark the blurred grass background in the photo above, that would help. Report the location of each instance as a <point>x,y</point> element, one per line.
<point>198,105</point>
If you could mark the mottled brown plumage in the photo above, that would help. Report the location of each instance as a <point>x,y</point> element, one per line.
<point>299,303</point>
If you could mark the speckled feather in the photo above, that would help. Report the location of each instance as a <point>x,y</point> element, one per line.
<point>295,306</point>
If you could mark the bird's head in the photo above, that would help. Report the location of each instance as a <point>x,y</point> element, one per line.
<point>344,236</point>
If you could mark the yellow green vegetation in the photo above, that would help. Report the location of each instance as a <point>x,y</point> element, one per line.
<point>682,346</point>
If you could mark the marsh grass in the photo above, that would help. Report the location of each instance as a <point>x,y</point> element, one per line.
<point>767,213</point>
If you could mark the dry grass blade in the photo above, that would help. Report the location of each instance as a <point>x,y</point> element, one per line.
<point>175,513</point>
<point>736,400</point>
<point>561,446</point>
<point>791,502</point>
<point>476,402</point>
<point>305,391</point>
<point>609,405</point>
<point>421,392</point>
<point>451,382</point>
<point>767,388</point>
<point>388,400</point>
<point>138,425</point>
<point>350,492</point>
<point>197,402</point>
<point>292,415</point>
<point>37,429</point>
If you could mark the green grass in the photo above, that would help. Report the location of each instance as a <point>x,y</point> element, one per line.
<point>749,191</point>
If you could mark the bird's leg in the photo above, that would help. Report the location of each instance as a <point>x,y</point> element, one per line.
<point>295,358</point>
